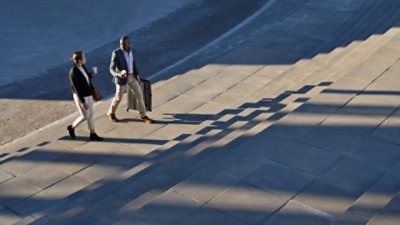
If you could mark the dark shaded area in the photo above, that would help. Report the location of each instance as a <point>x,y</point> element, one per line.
<point>158,45</point>
<point>186,30</point>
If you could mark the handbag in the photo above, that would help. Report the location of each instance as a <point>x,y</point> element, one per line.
<point>121,81</point>
<point>96,94</point>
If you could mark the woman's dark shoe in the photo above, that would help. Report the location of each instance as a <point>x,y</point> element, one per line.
<point>94,137</point>
<point>71,131</point>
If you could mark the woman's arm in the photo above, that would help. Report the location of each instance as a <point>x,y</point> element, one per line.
<point>76,85</point>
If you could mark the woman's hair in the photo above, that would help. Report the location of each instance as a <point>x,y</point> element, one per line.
<point>77,56</point>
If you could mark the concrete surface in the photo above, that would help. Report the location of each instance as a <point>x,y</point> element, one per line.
<point>314,141</point>
<point>159,44</point>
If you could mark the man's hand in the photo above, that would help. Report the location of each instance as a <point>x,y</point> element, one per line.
<point>138,77</point>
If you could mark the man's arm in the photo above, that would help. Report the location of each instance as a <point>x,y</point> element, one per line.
<point>113,65</point>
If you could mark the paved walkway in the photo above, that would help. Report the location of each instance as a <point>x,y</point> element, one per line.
<point>158,46</point>
<point>298,125</point>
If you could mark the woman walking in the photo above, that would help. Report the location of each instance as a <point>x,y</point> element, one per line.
<point>82,92</point>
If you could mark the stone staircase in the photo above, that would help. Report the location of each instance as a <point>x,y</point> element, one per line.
<point>237,144</point>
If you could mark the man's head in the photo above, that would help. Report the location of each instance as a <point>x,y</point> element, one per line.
<point>124,43</point>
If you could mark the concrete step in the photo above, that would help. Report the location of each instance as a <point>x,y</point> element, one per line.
<point>370,201</point>
<point>50,150</point>
<point>316,92</point>
<point>203,162</point>
<point>176,168</point>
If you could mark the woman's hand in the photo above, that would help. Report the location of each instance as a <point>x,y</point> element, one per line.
<point>84,106</point>
<point>122,74</point>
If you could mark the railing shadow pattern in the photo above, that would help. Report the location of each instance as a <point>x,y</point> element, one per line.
<point>121,196</point>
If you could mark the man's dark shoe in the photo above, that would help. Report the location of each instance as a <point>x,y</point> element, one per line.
<point>112,117</point>
<point>147,119</point>
<point>95,137</point>
<point>71,131</point>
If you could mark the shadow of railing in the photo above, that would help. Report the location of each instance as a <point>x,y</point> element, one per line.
<point>363,92</point>
<point>199,161</point>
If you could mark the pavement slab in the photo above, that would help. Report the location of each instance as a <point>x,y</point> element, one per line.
<point>203,188</point>
<point>212,217</point>
<point>295,213</point>
<point>246,202</point>
<point>381,154</point>
<point>170,208</point>
<point>327,196</point>
<point>354,174</point>
<point>387,131</point>
<point>281,180</point>
<point>353,123</point>
<point>304,157</point>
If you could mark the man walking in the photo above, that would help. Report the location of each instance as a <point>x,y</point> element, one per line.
<point>124,71</point>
